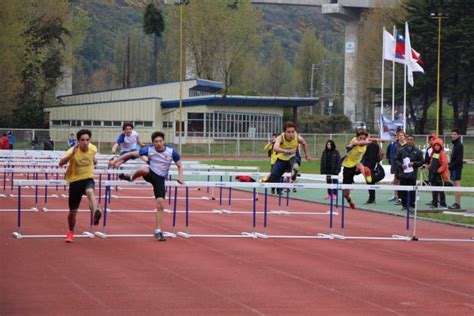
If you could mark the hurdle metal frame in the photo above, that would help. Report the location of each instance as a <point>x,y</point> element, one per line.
<point>254,186</point>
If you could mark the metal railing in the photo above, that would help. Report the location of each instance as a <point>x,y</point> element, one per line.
<point>232,145</point>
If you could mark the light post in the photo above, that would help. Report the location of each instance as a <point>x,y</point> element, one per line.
<point>313,67</point>
<point>438,16</point>
<point>181,3</point>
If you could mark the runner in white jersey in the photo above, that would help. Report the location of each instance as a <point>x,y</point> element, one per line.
<point>128,141</point>
<point>160,157</point>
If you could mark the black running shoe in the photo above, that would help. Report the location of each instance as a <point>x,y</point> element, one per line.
<point>159,236</point>
<point>125,177</point>
<point>97,216</point>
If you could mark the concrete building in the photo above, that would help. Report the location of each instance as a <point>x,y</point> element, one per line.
<point>205,114</point>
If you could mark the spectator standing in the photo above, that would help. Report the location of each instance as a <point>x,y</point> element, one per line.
<point>330,165</point>
<point>372,156</point>
<point>11,139</point>
<point>455,165</point>
<point>408,160</point>
<point>395,147</point>
<point>48,144</point>
<point>438,169</point>
<point>5,142</point>
<point>35,144</point>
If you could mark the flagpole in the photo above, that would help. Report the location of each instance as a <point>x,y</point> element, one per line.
<point>383,75</point>
<point>405,97</point>
<point>393,78</point>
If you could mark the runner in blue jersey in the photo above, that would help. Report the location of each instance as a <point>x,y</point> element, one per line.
<point>128,141</point>
<point>160,157</point>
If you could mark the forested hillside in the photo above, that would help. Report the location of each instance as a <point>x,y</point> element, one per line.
<point>114,23</point>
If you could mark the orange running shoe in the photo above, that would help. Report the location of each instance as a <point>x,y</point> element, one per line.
<point>69,236</point>
<point>352,204</point>
<point>368,174</point>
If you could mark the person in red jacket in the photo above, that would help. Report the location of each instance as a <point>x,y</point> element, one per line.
<point>5,142</point>
<point>438,169</point>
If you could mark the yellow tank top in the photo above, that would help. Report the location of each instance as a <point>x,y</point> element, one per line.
<point>354,156</point>
<point>287,145</point>
<point>81,165</point>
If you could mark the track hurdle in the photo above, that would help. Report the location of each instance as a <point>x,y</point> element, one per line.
<point>430,189</point>
<point>108,185</point>
<point>395,237</point>
<point>253,185</point>
<point>18,234</point>
<point>299,186</point>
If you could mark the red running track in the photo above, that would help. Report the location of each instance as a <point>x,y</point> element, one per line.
<point>227,276</point>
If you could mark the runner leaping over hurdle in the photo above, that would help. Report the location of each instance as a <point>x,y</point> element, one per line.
<point>159,156</point>
<point>80,176</point>
<point>286,146</point>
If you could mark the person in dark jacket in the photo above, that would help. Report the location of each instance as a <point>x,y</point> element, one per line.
<point>455,165</point>
<point>371,158</point>
<point>330,165</point>
<point>394,148</point>
<point>48,144</point>
<point>408,159</point>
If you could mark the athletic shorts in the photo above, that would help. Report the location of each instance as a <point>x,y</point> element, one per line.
<point>456,174</point>
<point>126,152</point>
<point>348,175</point>
<point>158,183</point>
<point>77,189</point>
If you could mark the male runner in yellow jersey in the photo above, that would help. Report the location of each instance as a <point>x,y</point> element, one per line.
<point>286,145</point>
<point>352,161</point>
<point>80,176</point>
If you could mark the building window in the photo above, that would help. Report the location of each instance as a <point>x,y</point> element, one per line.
<point>55,122</point>
<point>148,123</point>
<point>139,124</point>
<point>65,123</point>
<point>96,123</point>
<point>108,123</point>
<point>87,123</point>
<point>117,123</point>
<point>196,124</point>
<point>198,93</point>
<point>167,124</point>
<point>242,125</point>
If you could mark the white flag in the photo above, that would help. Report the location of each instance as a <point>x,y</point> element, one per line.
<point>412,65</point>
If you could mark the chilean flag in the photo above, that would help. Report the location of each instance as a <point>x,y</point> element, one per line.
<point>400,50</point>
<point>394,49</point>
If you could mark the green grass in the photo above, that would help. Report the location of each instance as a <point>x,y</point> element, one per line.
<point>313,167</point>
<point>449,218</point>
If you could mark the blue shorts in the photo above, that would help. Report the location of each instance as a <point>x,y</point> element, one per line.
<point>456,174</point>
<point>126,152</point>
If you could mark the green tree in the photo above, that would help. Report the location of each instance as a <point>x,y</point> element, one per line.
<point>310,51</point>
<point>217,40</point>
<point>153,23</point>
<point>43,58</point>
<point>277,71</point>
<point>12,45</point>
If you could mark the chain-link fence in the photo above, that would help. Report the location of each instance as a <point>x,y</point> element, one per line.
<point>235,146</point>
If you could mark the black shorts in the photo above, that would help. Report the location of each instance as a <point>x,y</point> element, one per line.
<point>456,174</point>
<point>348,175</point>
<point>77,189</point>
<point>158,183</point>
